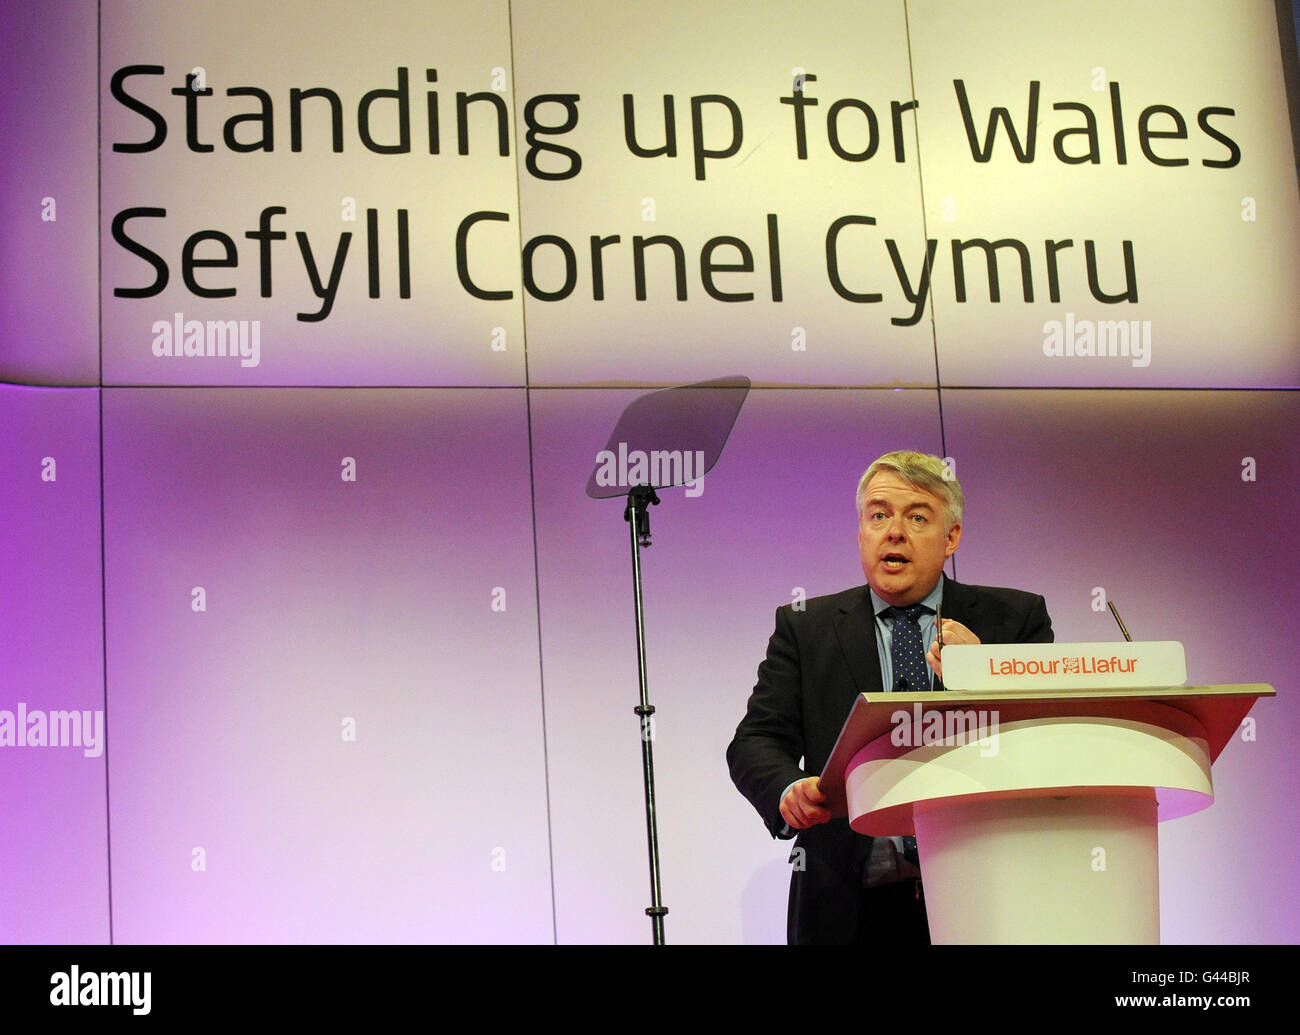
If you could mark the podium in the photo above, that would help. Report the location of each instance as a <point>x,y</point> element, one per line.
<point>1035,812</point>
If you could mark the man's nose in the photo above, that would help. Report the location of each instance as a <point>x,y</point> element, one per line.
<point>897,529</point>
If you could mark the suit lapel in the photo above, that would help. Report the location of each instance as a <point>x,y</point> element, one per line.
<point>855,627</point>
<point>961,605</point>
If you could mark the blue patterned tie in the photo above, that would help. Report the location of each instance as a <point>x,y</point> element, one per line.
<point>907,657</point>
<point>907,653</point>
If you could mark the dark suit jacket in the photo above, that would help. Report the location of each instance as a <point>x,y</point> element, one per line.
<point>818,660</point>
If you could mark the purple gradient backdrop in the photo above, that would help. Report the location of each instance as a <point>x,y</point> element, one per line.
<point>53,865</point>
<point>326,599</point>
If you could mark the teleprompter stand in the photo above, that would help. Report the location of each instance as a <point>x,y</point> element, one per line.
<point>663,439</point>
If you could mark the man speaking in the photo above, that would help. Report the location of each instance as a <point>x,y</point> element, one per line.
<point>847,888</point>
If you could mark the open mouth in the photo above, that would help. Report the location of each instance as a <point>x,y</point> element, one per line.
<point>894,562</point>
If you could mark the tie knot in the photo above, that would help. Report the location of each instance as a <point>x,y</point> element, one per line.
<point>911,613</point>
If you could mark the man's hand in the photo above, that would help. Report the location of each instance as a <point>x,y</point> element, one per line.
<point>953,632</point>
<point>801,806</point>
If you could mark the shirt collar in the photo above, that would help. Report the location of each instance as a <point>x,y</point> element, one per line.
<point>930,601</point>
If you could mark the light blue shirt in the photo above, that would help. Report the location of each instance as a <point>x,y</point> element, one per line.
<point>885,631</point>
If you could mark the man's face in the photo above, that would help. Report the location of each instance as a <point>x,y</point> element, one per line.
<point>902,539</point>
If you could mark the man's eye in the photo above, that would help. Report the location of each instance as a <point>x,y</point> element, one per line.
<point>919,518</point>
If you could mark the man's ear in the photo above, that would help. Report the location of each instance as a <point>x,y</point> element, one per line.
<point>954,538</point>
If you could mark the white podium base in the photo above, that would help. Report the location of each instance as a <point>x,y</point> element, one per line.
<point>1042,870</point>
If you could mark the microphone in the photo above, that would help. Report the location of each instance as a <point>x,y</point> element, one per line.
<point>1111,605</point>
